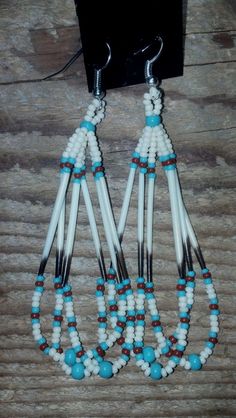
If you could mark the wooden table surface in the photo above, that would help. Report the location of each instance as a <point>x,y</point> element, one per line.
<point>36,119</point>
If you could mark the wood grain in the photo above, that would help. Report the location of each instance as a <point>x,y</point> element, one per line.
<point>36,119</point>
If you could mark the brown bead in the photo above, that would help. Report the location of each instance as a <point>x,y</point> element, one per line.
<point>214,306</point>
<point>69,165</point>
<point>141,285</point>
<point>127,287</point>
<point>100,351</point>
<point>184,320</point>
<point>151,170</point>
<point>80,353</point>
<point>156,323</point>
<point>143,165</point>
<point>213,340</point>
<point>180,287</point>
<point>169,162</point>
<point>72,324</point>
<point>35,315</point>
<point>62,165</point>
<point>126,351</point>
<point>189,279</point>
<point>43,346</point>
<point>149,290</point>
<point>206,275</point>
<point>57,286</point>
<point>140,317</point>
<point>131,318</point>
<point>113,308</point>
<point>99,169</point>
<point>60,350</point>
<point>177,353</point>
<point>138,350</point>
<point>102,319</point>
<point>101,287</point>
<point>169,354</point>
<point>58,318</point>
<point>120,324</point>
<point>38,283</point>
<point>172,339</point>
<point>120,291</point>
<point>135,160</point>
<point>111,276</point>
<point>120,340</point>
<point>69,293</point>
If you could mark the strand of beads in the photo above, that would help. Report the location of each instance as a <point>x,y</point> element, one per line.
<point>184,229</point>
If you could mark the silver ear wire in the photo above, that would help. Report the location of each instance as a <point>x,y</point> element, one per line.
<point>97,84</point>
<point>149,77</point>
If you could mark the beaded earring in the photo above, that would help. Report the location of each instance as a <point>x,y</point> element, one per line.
<point>155,144</point>
<point>75,361</point>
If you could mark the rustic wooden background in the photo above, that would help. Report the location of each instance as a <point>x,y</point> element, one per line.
<point>36,38</point>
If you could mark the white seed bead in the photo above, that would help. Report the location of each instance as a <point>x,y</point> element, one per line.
<point>163,372</point>
<point>187,365</point>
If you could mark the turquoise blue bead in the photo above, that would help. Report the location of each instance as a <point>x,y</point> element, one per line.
<point>209,344</point>
<point>67,298</point>
<point>215,312</point>
<point>104,346</point>
<point>195,362</point>
<point>70,357</point>
<point>139,356</point>
<point>153,120</point>
<point>78,371</point>
<point>88,125</point>
<point>191,273</point>
<point>105,369</point>
<point>156,371</point>
<point>213,334</point>
<point>165,349</point>
<point>149,354</point>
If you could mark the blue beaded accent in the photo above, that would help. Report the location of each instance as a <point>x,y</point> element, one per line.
<point>184,315</point>
<point>140,280</point>
<point>88,125</point>
<point>181,293</point>
<point>184,326</point>
<point>181,281</point>
<point>71,319</point>
<point>149,296</point>
<point>139,344</point>
<point>35,321</point>
<point>98,293</point>
<point>105,369</point>
<point>46,351</point>
<point>104,346</point>
<point>135,154</point>
<point>204,271</point>
<point>56,324</point>
<point>155,317</point>
<point>213,334</point>
<point>35,310</point>
<point>39,289</point>
<point>41,341</point>
<point>71,329</point>
<point>56,345</point>
<point>180,347</point>
<point>102,325</point>
<point>118,329</point>
<point>132,313</point>
<point>156,371</point>
<point>70,357</point>
<point>195,362</point>
<point>78,348</point>
<point>158,329</point>
<point>67,288</point>
<point>149,354</point>
<point>40,278</point>
<point>165,349</point>
<point>78,371</point>
<point>214,301</point>
<point>68,299</point>
<point>169,167</point>
<point>57,280</point>
<point>215,312</point>
<point>139,356</point>
<point>167,157</point>
<point>209,344</point>
<point>100,281</point>
<point>208,281</point>
<point>175,359</point>
<point>153,120</point>
<point>125,357</point>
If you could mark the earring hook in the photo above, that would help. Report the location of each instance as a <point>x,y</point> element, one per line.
<point>97,85</point>
<point>151,80</point>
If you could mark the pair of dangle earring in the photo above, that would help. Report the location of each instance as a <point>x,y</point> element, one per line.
<point>154,145</point>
